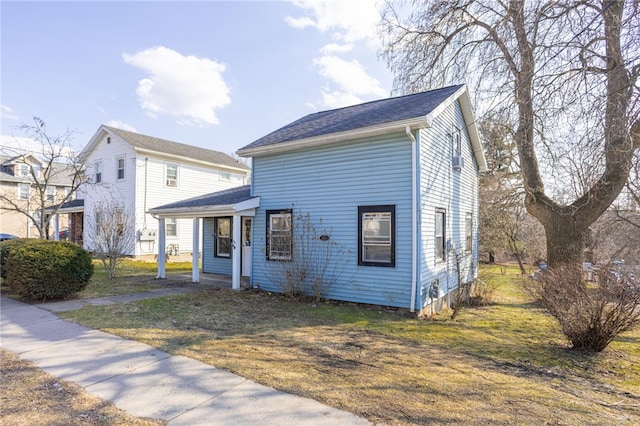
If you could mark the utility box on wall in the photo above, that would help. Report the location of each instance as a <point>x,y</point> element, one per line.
<point>147,235</point>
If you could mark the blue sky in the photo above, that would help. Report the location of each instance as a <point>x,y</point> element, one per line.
<point>216,74</point>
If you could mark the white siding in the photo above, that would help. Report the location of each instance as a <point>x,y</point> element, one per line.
<point>144,187</point>
<point>110,188</point>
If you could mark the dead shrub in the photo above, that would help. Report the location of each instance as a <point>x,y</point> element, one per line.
<point>591,314</point>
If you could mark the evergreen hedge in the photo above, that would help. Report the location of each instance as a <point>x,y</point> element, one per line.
<point>41,269</point>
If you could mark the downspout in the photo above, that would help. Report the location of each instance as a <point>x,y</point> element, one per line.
<point>414,221</point>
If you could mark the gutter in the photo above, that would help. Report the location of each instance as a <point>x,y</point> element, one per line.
<point>182,159</point>
<point>382,129</point>
<point>414,220</point>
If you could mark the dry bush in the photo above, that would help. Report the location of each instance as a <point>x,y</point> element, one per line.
<point>591,314</point>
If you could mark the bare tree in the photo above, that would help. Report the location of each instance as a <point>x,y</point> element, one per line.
<point>54,165</point>
<point>315,262</point>
<point>108,232</point>
<point>564,74</point>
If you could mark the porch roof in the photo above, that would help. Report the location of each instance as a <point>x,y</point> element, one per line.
<point>72,206</point>
<point>226,202</point>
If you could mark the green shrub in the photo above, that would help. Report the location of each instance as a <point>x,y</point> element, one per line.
<point>40,269</point>
<point>5,247</point>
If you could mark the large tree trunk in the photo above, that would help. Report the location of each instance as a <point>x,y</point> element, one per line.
<point>566,226</point>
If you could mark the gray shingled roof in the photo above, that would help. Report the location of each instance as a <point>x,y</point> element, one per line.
<point>72,204</point>
<point>220,198</point>
<point>60,176</point>
<point>175,148</point>
<point>358,116</point>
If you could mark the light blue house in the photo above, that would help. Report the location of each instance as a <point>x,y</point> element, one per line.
<point>395,180</point>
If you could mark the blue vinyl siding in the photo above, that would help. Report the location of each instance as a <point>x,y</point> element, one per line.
<point>210,263</point>
<point>454,190</point>
<point>330,183</point>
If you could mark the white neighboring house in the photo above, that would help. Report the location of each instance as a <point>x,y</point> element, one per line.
<point>144,172</point>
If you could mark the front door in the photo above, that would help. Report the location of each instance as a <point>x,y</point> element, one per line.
<point>246,246</point>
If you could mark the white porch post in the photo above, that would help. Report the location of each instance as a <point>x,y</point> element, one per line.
<point>195,269</point>
<point>236,246</point>
<point>161,249</point>
<point>56,227</point>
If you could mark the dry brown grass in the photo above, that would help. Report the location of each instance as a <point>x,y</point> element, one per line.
<point>506,363</point>
<point>31,397</point>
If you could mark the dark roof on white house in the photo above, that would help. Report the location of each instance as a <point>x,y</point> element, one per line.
<point>77,204</point>
<point>220,198</point>
<point>175,148</point>
<point>60,175</point>
<point>357,116</point>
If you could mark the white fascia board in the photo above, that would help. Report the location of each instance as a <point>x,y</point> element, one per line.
<point>364,132</point>
<point>181,159</point>
<point>252,203</point>
<point>462,95</point>
<point>92,143</point>
<point>247,207</point>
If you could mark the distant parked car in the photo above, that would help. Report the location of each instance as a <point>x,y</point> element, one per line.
<point>63,234</point>
<point>4,237</point>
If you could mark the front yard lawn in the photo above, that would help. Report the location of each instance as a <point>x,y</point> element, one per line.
<point>506,363</point>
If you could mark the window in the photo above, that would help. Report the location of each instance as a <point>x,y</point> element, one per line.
<point>98,172</point>
<point>279,235</point>
<point>50,193</point>
<point>456,140</point>
<point>98,223</point>
<point>171,227</point>
<point>23,191</point>
<point>226,176</point>
<point>468,232</point>
<point>23,170</point>
<point>223,237</point>
<point>376,234</point>
<point>440,240</point>
<point>120,168</point>
<point>171,172</point>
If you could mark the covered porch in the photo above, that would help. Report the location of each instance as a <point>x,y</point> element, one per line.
<point>234,208</point>
<point>74,209</point>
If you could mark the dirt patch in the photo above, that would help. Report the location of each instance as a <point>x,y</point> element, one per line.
<point>31,397</point>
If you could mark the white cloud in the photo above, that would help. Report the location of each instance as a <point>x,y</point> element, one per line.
<point>349,21</point>
<point>121,125</point>
<point>352,27</point>
<point>15,145</point>
<point>7,113</point>
<point>352,81</point>
<point>186,87</point>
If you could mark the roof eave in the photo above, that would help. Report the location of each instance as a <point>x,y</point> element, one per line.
<point>371,131</point>
<point>188,159</point>
<point>206,211</point>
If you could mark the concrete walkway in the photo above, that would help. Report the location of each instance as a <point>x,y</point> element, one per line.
<point>147,382</point>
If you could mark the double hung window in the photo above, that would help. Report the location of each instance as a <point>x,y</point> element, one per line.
<point>171,227</point>
<point>172,175</point>
<point>376,235</point>
<point>440,234</point>
<point>223,237</point>
<point>279,235</point>
<point>120,168</point>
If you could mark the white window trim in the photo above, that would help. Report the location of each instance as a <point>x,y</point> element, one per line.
<point>166,175</point>
<point>124,172</point>
<point>167,223</point>
<point>97,171</point>
<point>275,214</point>
<point>436,246</point>
<point>20,189</point>
<point>219,237</point>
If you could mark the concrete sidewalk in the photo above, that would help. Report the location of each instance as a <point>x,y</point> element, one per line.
<point>147,382</point>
